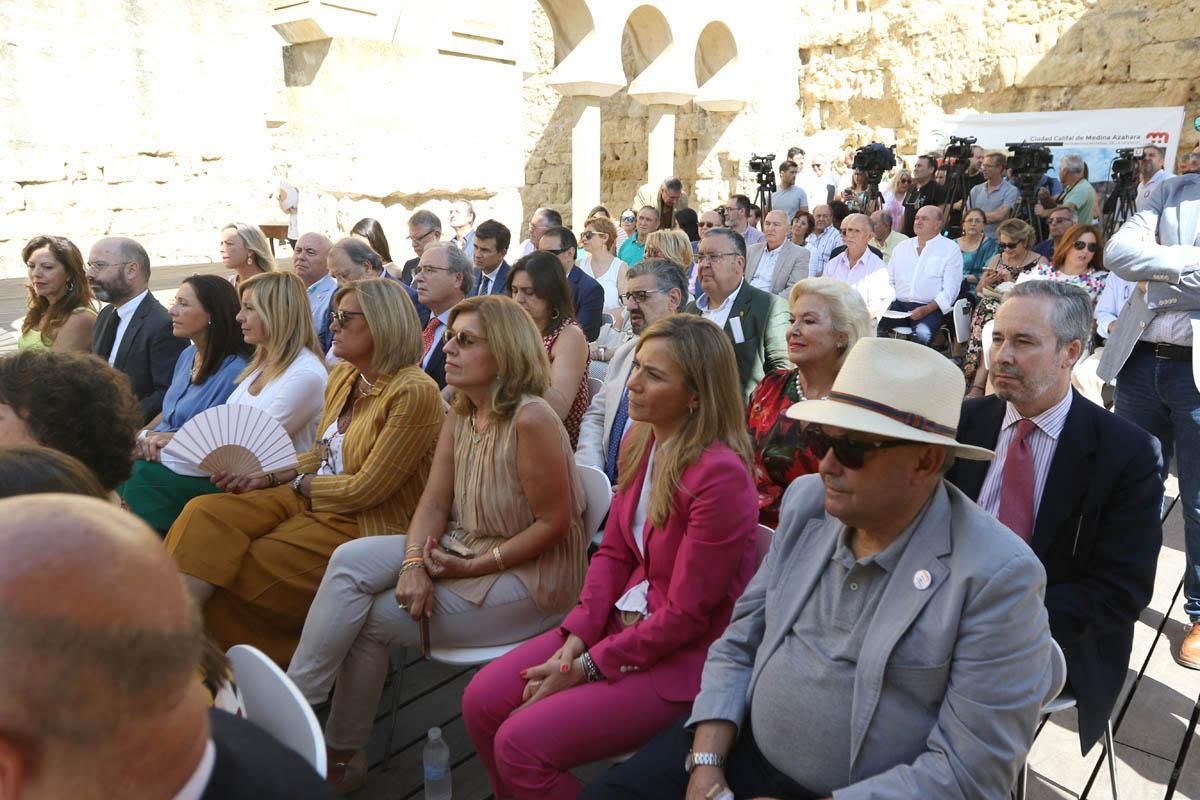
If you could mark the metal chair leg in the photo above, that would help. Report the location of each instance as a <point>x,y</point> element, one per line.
<point>1022,782</point>
<point>1110,750</point>
<point>397,680</point>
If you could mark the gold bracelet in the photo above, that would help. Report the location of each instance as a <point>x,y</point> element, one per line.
<point>496,556</point>
<point>413,548</point>
<point>272,481</point>
<point>411,560</point>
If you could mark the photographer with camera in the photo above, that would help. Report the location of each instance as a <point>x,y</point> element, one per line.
<point>995,197</point>
<point>789,198</point>
<point>1077,193</point>
<point>1152,174</point>
<point>925,191</point>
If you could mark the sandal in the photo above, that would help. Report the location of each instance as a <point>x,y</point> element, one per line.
<point>347,776</point>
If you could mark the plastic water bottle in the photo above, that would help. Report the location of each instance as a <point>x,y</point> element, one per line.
<point>436,758</point>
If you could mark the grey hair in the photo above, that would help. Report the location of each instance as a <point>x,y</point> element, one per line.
<point>426,219</point>
<point>733,237</point>
<point>1072,211</point>
<point>885,217</point>
<point>360,252</point>
<point>458,263</point>
<point>667,276</point>
<point>673,185</point>
<point>1072,317</point>
<point>1071,163</point>
<point>131,250</point>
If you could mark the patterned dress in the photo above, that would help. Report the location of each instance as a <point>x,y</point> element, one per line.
<point>579,406</point>
<point>985,310</point>
<point>779,455</point>
<point>1091,281</point>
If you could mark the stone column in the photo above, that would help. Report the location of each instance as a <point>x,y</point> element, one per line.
<point>585,157</point>
<point>660,149</point>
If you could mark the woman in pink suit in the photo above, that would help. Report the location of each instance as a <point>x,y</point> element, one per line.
<point>678,550</point>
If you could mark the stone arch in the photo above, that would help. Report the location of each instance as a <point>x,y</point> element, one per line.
<point>571,21</point>
<point>647,36</point>
<point>715,49</point>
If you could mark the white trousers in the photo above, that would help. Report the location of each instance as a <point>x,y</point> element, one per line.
<point>354,619</point>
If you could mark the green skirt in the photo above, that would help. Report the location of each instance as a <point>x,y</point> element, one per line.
<point>158,495</point>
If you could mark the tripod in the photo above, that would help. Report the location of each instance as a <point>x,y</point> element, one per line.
<point>956,191</point>
<point>1118,206</point>
<point>766,187</point>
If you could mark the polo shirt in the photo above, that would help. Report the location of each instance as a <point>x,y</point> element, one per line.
<point>632,251</point>
<point>987,200</point>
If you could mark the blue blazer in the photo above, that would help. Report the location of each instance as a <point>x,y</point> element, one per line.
<point>499,285</point>
<point>588,296</point>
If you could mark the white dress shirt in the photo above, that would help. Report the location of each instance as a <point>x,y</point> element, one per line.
<point>125,313</point>
<point>1112,299</point>
<point>719,315</point>
<point>765,272</point>
<point>635,598</point>
<point>869,275</point>
<point>935,273</point>
<point>1145,190</point>
<point>1043,442</point>
<point>195,786</point>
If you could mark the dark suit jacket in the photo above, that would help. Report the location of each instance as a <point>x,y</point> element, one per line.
<point>325,334</point>
<point>147,352</point>
<point>436,368</point>
<point>409,269</point>
<point>764,322</point>
<point>588,296</point>
<point>498,285</point>
<point>252,765</point>
<point>1097,532</point>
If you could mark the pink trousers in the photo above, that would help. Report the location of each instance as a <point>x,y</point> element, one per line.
<point>529,754</point>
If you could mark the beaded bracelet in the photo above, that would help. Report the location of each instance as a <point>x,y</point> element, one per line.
<point>496,556</point>
<point>590,671</point>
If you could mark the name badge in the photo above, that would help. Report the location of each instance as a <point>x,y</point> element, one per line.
<point>735,325</point>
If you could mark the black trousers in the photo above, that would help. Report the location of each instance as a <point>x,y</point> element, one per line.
<point>656,771</point>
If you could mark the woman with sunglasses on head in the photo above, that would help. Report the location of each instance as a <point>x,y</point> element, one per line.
<point>539,286</point>
<point>678,550</point>
<point>59,314</point>
<point>253,558</point>
<point>828,317</point>
<point>1014,257</point>
<point>1078,259</point>
<point>502,494</point>
<point>893,198</point>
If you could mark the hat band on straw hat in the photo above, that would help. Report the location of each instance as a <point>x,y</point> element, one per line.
<point>903,417</point>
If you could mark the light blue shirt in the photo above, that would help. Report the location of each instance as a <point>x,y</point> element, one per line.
<point>443,319</point>
<point>185,399</point>
<point>320,294</point>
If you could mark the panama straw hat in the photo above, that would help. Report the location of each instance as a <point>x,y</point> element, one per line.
<point>898,389</point>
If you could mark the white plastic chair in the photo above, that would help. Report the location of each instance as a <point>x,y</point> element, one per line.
<point>1062,701</point>
<point>276,705</point>
<point>985,341</point>
<point>961,316</point>
<point>763,543</point>
<point>594,387</point>
<point>599,494</point>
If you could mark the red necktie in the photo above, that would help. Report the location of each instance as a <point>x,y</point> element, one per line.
<point>1016,488</point>
<point>427,335</point>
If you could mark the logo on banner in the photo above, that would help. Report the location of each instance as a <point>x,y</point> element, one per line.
<point>1158,137</point>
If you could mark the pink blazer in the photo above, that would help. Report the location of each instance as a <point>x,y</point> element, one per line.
<point>697,564</point>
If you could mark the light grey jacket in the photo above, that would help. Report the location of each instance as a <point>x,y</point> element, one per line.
<point>598,419</point>
<point>951,677</point>
<point>1161,245</point>
<point>791,265</point>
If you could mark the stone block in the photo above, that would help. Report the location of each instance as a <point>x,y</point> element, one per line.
<point>24,166</point>
<point>12,197</point>
<point>1166,60</point>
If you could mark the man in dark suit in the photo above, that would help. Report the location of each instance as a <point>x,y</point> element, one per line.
<point>586,294</point>
<point>444,278</point>
<point>491,245</point>
<point>1079,484</point>
<point>101,733</point>
<point>133,333</point>
<point>424,228</point>
<point>755,321</point>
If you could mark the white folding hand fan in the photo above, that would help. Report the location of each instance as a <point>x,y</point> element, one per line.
<point>239,440</point>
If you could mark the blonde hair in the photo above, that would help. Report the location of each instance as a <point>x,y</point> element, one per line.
<point>392,320</point>
<point>256,242</point>
<point>1018,230</point>
<point>604,225</point>
<point>522,366</point>
<point>674,245</point>
<point>848,315</point>
<point>704,354</point>
<point>282,302</point>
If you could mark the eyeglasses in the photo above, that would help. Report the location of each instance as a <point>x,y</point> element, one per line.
<point>1079,244</point>
<point>850,453</point>
<point>628,219</point>
<point>706,224</point>
<point>429,269</point>
<point>342,317</point>
<point>1060,220</point>
<point>96,266</point>
<point>557,252</point>
<point>708,258</point>
<point>1007,245</point>
<point>638,297</point>
<point>415,239</point>
<point>588,235</point>
<point>464,338</point>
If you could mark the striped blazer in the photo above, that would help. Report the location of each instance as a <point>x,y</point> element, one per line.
<point>387,450</point>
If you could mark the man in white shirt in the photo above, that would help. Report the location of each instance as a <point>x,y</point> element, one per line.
<point>462,222</point>
<point>1152,174</point>
<point>737,217</point>
<point>543,219</point>
<point>310,263</point>
<point>133,333</point>
<point>775,264</point>
<point>861,268</point>
<point>824,239</point>
<point>926,273</point>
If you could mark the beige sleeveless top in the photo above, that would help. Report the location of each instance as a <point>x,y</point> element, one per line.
<point>490,507</point>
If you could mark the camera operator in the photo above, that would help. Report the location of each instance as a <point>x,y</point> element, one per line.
<point>995,197</point>
<point>924,192</point>
<point>789,198</point>
<point>1152,174</point>
<point>1076,193</point>
<point>1151,353</point>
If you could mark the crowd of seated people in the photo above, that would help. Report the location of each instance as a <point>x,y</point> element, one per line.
<point>441,413</point>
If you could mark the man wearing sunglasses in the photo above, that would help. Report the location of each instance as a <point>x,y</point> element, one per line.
<point>894,641</point>
<point>1058,222</point>
<point>1097,538</point>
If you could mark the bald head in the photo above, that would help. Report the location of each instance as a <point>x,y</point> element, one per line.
<point>927,223</point>
<point>775,228</point>
<point>856,232</point>
<point>309,259</point>
<point>823,217</point>
<point>96,625</point>
<point>118,269</point>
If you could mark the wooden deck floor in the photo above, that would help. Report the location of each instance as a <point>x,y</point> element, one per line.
<point>1154,728</point>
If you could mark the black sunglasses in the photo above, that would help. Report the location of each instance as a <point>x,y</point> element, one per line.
<point>850,453</point>
<point>1079,244</point>
<point>342,317</point>
<point>1007,245</point>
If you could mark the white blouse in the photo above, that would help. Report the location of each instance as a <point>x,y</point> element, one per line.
<point>608,281</point>
<point>294,399</point>
<point>635,598</point>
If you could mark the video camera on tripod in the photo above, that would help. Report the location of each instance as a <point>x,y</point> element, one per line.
<point>1028,164</point>
<point>873,160</point>
<point>956,160</point>
<point>764,171</point>
<point>958,153</point>
<point>1121,201</point>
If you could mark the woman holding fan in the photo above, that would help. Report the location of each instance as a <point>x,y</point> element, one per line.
<point>285,378</point>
